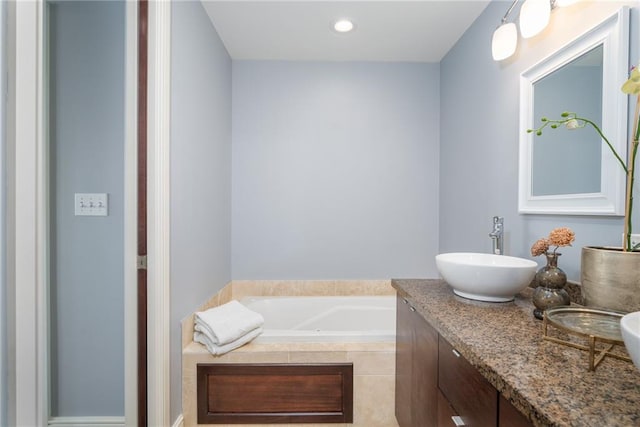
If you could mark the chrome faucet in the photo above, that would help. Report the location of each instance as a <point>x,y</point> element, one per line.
<point>496,235</point>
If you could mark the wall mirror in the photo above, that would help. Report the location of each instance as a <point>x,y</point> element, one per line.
<point>573,172</point>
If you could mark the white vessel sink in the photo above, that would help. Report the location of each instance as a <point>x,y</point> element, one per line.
<point>630,328</point>
<point>486,277</point>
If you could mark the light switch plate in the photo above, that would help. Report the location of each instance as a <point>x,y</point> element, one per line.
<point>91,204</point>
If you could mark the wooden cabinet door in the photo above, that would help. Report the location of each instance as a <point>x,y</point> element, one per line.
<point>471,395</point>
<point>425,373</point>
<point>404,357</point>
<point>509,416</point>
<point>416,368</point>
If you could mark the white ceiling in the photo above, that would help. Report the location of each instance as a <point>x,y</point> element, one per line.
<point>294,30</point>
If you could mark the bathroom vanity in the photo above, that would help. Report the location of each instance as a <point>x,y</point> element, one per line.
<point>463,362</point>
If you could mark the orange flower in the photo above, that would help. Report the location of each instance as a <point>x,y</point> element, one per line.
<point>540,247</point>
<point>562,236</point>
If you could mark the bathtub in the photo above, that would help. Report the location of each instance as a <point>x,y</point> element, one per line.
<point>326,318</point>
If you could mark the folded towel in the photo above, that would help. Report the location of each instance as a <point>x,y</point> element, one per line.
<point>228,322</point>
<point>222,349</point>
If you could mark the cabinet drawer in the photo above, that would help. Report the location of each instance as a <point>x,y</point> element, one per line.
<point>445,412</point>
<point>509,416</point>
<point>471,395</point>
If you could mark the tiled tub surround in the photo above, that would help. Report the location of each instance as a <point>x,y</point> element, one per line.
<point>547,382</point>
<point>373,362</point>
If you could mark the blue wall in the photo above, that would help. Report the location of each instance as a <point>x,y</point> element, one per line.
<point>200,171</point>
<point>479,138</point>
<point>87,156</point>
<point>3,204</point>
<point>335,170</point>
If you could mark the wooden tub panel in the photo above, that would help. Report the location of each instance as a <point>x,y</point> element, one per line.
<point>275,393</point>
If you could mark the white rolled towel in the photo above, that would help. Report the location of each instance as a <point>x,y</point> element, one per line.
<point>222,349</point>
<point>227,323</point>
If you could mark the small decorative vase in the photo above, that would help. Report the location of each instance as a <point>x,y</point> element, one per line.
<point>550,281</point>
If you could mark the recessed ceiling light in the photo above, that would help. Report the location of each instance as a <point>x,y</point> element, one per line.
<point>343,26</point>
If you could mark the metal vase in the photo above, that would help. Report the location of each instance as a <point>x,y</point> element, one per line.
<point>611,278</point>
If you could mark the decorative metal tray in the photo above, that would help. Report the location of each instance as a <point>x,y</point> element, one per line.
<point>597,326</point>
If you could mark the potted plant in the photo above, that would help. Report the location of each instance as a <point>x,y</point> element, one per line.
<point>610,277</point>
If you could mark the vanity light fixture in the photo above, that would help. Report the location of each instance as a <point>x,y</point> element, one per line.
<point>505,38</point>
<point>343,26</point>
<point>534,17</point>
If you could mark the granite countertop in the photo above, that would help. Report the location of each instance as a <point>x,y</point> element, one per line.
<point>547,382</point>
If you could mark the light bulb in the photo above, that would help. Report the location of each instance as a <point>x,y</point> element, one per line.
<point>534,17</point>
<point>505,39</point>
<point>343,26</point>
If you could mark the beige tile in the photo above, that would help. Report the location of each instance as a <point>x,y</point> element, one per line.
<point>226,294</point>
<point>213,301</point>
<point>186,328</point>
<point>373,362</point>
<point>373,401</point>
<point>298,287</point>
<point>202,353</point>
<point>278,288</point>
<point>364,287</point>
<point>197,353</point>
<point>246,288</point>
<point>254,347</point>
<point>317,288</point>
<point>317,346</point>
<point>343,346</point>
<point>270,357</point>
<point>189,388</point>
<point>243,288</point>
<point>317,357</point>
<point>189,400</point>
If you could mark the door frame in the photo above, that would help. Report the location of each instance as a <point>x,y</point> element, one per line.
<point>158,213</point>
<point>28,358</point>
<point>27,208</point>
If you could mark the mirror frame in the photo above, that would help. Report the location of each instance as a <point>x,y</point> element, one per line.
<point>613,35</point>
